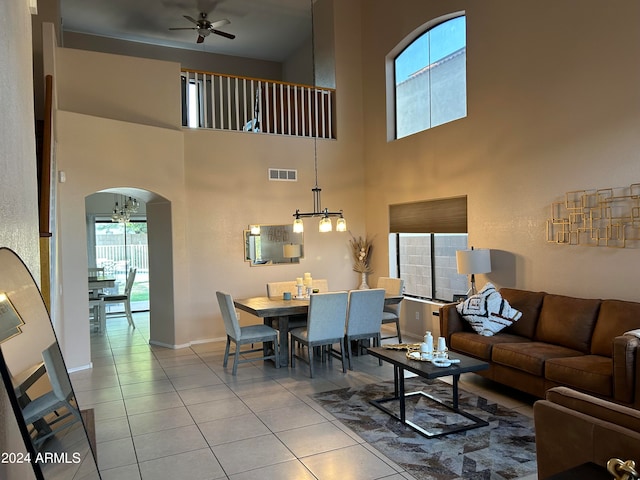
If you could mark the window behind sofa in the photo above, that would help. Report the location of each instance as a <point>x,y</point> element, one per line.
<point>423,240</point>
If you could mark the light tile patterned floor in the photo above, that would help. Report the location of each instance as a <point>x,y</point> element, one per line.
<point>166,414</point>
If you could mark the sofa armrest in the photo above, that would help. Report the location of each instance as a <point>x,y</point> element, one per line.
<point>624,369</point>
<point>595,407</point>
<point>572,428</point>
<point>450,321</point>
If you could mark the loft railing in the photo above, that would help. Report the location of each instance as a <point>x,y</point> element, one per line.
<point>225,102</point>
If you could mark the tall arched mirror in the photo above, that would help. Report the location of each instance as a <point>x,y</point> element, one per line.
<point>56,442</point>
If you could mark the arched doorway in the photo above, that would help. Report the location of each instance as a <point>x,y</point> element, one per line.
<point>153,258</point>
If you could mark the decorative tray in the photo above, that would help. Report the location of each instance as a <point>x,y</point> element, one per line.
<point>402,346</point>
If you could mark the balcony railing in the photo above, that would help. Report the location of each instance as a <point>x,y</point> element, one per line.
<point>224,102</point>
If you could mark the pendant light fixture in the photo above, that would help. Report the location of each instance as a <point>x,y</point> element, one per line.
<point>325,215</point>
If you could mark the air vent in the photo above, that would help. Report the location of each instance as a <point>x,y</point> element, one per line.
<point>283,175</point>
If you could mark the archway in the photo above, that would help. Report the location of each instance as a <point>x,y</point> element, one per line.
<point>160,254</point>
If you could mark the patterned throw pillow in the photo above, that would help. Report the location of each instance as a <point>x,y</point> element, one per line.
<point>487,312</point>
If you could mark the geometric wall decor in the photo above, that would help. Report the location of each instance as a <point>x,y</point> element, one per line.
<point>606,217</point>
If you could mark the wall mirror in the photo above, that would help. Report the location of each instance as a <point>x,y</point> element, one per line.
<point>272,245</point>
<point>35,378</point>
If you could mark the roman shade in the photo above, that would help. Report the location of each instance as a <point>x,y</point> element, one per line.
<point>445,215</point>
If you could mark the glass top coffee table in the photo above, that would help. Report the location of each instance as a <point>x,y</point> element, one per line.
<point>400,362</point>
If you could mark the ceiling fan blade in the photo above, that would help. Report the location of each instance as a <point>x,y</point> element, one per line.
<point>200,39</point>
<point>220,23</point>
<point>183,28</point>
<point>190,19</point>
<point>224,34</point>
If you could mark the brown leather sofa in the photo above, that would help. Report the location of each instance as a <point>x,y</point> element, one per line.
<point>558,341</point>
<point>573,428</point>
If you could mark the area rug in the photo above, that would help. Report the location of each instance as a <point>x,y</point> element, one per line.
<point>505,449</point>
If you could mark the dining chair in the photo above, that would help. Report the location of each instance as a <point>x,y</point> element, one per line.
<point>391,313</point>
<point>96,271</point>
<point>124,298</point>
<point>245,335</point>
<point>325,327</point>
<point>364,318</point>
<point>59,397</point>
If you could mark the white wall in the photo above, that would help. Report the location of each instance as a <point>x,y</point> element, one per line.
<point>552,107</point>
<point>18,187</point>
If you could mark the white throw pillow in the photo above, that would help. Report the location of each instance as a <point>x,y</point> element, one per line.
<point>487,311</point>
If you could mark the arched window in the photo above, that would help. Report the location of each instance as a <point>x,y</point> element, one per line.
<point>430,76</point>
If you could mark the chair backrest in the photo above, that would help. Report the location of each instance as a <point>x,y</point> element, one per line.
<point>96,271</point>
<point>228,310</point>
<point>393,286</point>
<point>130,279</point>
<point>327,315</point>
<point>276,289</point>
<point>365,311</point>
<point>57,372</point>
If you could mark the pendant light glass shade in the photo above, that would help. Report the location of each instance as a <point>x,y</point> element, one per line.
<point>298,226</point>
<point>341,225</point>
<point>325,225</point>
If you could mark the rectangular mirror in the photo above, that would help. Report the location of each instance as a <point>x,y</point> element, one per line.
<point>272,245</point>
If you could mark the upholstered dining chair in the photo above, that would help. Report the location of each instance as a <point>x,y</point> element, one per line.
<point>245,335</point>
<point>59,397</point>
<point>364,318</point>
<point>391,313</point>
<point>325,327</point>
<point>124,298</point>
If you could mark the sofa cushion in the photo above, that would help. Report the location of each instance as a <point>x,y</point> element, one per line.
<point>590,373</point>
<point>487,312</point>
<point>529,303</point>
<point>529,356</point>
<point>480,346</point>
<point>567,321</point>
<point>615,318</point>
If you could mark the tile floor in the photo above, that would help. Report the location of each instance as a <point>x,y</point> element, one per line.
<point>167,414</point>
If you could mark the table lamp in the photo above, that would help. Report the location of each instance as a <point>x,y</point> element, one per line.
<point>291,251</point>
<point>470,262</point>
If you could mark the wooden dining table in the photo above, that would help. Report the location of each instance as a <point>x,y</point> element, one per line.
<point>270,309</point>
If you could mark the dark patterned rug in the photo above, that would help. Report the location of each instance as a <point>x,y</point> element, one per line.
<point>503,450</point>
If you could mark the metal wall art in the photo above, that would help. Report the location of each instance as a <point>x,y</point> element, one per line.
<point>606,217</point>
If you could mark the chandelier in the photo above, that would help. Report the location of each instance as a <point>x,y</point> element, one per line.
<point>123,210</point>
<point>325,215</point>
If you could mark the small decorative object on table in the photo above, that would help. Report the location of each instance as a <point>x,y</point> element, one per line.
<point>361,251</point>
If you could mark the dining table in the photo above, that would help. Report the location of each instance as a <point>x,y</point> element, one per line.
<point>101,282</point>
<point>270,309</point>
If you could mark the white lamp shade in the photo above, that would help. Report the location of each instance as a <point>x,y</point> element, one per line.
<point>473,261</point>
<point>291,251</point>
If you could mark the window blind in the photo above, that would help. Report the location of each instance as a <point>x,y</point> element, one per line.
<point>444,215</point>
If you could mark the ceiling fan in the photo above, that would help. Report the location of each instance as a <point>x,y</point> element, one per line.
<point>204,27</point>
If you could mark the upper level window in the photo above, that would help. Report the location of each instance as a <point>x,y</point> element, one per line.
<point>430,79</point>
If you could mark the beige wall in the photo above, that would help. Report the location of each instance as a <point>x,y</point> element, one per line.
<point>208,186</point>
<point>18,187</point>
<point>196,60</point>
<point>552,107</point>
<point>118,87</point>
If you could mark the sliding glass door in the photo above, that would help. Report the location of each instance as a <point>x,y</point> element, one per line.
<point>120,246</point>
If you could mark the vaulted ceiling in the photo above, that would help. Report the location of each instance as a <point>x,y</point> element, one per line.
<point>264,29</point>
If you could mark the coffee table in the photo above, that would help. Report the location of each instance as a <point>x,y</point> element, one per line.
<point>427,370</point>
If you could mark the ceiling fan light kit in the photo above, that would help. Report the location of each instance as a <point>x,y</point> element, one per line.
<point>204,27</point>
